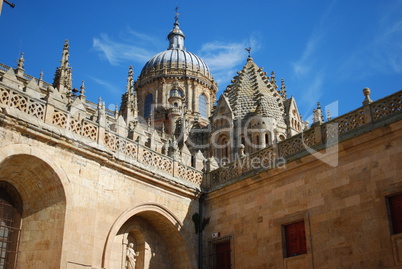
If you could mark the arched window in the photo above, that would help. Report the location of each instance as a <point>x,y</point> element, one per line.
<point>148,105</point>
<point>202,106</point>
<point>10,220</point>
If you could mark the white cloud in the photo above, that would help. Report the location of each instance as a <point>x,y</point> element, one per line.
<point>225,58</point>
<point>124,49</point>
<point>383,53</point>
<point>106,85</point>
<point>308,69</point>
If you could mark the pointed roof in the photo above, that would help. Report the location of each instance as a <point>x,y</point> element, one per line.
<point>251,93</point>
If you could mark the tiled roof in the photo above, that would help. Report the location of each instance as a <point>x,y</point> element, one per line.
<point>252,92</point>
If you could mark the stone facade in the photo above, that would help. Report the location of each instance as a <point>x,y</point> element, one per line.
<point>84,182</point>
<point>344,208</point>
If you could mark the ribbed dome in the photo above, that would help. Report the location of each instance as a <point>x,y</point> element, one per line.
<point>176,57</point>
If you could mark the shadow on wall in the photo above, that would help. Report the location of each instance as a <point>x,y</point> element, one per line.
<point>43,209</point>
<point>159,238</point>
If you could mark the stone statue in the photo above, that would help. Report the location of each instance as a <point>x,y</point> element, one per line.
<point>131,256</point>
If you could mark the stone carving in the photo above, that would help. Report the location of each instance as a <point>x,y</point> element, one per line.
<point>131,256</point>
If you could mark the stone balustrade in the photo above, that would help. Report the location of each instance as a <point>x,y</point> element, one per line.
<point>122,148</point>
<point>316,137</point>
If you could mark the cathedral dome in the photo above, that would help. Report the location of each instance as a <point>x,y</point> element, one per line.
<point>176,58</point>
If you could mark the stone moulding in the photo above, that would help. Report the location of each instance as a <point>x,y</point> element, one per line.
<point>43,115</point>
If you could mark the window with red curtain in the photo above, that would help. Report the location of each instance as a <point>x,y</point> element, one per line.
<point>295,237</point>
<point>395,208</point>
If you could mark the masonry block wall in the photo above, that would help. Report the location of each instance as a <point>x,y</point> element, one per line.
<point>80,211</point>
<point>344,209</point>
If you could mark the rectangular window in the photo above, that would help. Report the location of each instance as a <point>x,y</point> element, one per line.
<point>295,239</point>
<point>222,251</point>
<point>395,209</point>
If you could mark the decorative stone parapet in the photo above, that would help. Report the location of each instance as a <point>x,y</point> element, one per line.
<point>88,131</point>
<point>317,137</point>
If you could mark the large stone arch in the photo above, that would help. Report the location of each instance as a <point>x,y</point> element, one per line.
<point>163,222</point>
<point>38,180</point>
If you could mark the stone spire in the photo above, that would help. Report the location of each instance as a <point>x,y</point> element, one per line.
<point>20,67</point>
<point>128,108</point>
<point>63,76</point>
<point>130,81</point>
<point>283,90</point>
<point>176,36</point>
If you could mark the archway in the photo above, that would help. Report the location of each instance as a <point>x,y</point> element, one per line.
<point>158,237</point>
<point>43,209</point>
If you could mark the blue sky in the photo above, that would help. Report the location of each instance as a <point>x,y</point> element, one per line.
<point>326,50</point>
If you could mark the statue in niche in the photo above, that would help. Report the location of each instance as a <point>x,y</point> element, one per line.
<point>131,256</point>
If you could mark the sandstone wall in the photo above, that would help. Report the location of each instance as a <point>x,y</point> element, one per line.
<point>344,209</point>
<point>75,206</point>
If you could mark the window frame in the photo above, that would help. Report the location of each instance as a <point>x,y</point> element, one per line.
<point>395,224</point>
<point>203,108</point>
<point>148,105</point>
<point>213,242</point>
<point>301,237</point>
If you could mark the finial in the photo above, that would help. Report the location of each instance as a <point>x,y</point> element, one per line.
<point>40,80</point>
<point>329,115</point>
<point>249,51</point>
<point>129,79</point>
<point>317,115</point>
<point>367,99</point>
<point>65,55</point>
<point>176,36</point>
<point>82,89</point>
<point>130,71</point>
<point>20,67</point>
<point>21,61</point>
<point>273,77</point>
<point>176,17</point>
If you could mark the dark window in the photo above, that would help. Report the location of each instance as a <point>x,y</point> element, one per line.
<point>222,251</point>
<point>243,140</point>
<point>10,219</point>
<point>395,208</point>
<point>148,105</point>
<point>295,239</point>
<point>202,106</point>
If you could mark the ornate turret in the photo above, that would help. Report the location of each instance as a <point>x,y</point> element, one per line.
<point>63,77</point>
<point>251,114</point>
<point>128,107</point>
